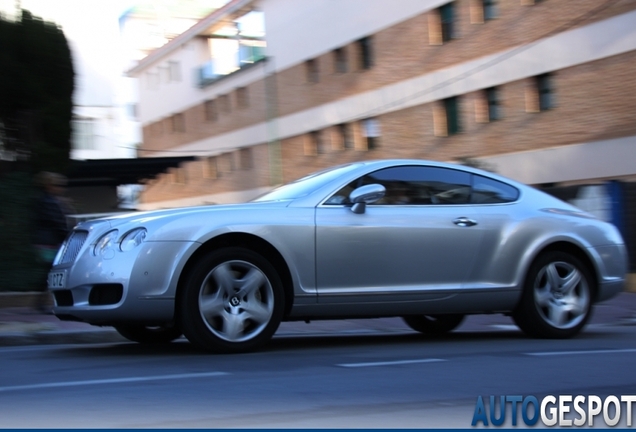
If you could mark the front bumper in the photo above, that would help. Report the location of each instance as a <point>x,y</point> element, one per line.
<point>134,286</point>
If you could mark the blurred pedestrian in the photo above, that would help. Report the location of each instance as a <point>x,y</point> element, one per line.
<point>51,227</point>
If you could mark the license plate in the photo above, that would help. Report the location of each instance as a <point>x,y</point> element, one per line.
<point>57,279</point>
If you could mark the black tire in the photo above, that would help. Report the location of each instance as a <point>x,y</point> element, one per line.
<point>149,335</point>
<point>231,301</point>
<point>434,325</point>
<point>556,302</point>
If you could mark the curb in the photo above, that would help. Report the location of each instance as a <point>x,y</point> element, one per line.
<point>69,337</point>
<point>11,299</point>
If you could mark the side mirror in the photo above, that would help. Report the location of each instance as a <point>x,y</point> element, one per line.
<point>364,195</point>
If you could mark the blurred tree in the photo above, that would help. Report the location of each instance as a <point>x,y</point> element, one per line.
<point>36,108</point>
<point>36,90</point>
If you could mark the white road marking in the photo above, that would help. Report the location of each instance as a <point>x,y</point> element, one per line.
<point>389,363</point>
<point>510,327</point>
<point>111,381</point>
<point>559,353</point>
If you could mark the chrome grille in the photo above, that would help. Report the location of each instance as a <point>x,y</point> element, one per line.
<point>72,246</point>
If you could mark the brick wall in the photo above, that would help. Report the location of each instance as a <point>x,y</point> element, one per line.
<point>400,52</point>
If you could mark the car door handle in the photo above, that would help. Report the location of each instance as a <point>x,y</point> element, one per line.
<point>464,222</point>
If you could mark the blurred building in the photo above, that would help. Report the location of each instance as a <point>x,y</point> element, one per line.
<point>540,91</point>
<point>106,125</point>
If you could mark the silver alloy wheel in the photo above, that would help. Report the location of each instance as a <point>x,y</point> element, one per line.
<point>561,294</point>
<point>236,301</point>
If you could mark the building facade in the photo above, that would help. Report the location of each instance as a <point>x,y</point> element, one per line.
<point>536,90</point>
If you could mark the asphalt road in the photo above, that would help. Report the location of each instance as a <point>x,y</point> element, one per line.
<point>377,379</point>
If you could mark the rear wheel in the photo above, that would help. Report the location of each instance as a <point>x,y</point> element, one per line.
<point>232,301</point>
<point>557,297</point>
<point>434,325</point>
<point>149,335</point>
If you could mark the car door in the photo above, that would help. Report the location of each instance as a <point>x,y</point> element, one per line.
<point>421,238</point>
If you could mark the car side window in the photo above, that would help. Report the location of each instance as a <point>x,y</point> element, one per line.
<point>413,185</point>
<point>490,191</point>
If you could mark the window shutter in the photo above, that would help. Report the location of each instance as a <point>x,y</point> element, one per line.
<point>359,140</point>
<point>481,108</point>
<point>477,11</point>
<point>435,27</point>
<point>532,98</point>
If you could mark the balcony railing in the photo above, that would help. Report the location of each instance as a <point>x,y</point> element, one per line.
<point>247,56</point>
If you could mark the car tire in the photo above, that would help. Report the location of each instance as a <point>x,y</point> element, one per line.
<point>231,301</point>
<point>556,302</point>
<point>434,325</point>
<point>149,335</point>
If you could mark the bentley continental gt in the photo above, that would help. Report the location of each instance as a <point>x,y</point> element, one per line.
<point>425,241</point>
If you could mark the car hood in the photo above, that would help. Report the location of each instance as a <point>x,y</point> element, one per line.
<point>167,215</point>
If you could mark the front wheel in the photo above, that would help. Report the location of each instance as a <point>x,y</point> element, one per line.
<point>231,301</point>
<point>434,325</point>
<point>149,335</point>
<point>557,297</point>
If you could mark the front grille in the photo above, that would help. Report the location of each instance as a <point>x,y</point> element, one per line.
<point>72,246</point>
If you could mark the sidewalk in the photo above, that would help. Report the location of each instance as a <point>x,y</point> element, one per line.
<point>22,325</point>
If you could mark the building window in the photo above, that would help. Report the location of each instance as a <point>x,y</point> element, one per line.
<point>540,94</point>
<point>344,137</point>
<point>242,100</point>
<point>487,106</point>
<point>365,47</point>
<point>318,142</point>
<point>177,123</point>
<point>442,23</point>
<point>152,80</point>
<point>226,163</point>
<point>210,167</point>
<point>483,10</point>
<point>309,145</point>
<point>451,107</point>
<point>545,92</point>
<point>210,110</point>
<point>315,144</point>
<point>83,135</point>
<point>311,67</point>
<point>371,133</point>
<point>246,160</point>
<point>447,21</point>
<point>224,104</point>
<point>446,117</point>
<point>490,8</point>
<point>174,71</point>
<point>131,109</point>
<point>492,100</point>
<point>339,60</point>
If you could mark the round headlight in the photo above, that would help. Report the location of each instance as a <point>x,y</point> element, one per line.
<point>105,246</point>
<point>132,239</point>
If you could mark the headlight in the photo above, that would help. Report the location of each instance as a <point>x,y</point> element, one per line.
<point>132,239</point>
<point>105,246</point>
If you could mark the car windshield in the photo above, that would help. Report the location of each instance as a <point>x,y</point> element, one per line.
<point>305,185</point>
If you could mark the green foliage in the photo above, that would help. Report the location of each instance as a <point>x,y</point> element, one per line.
<point>36,90</point>
<point>36,108</point>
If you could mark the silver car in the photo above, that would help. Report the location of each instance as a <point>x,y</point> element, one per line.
<point>426,241</point>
